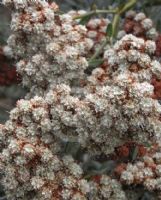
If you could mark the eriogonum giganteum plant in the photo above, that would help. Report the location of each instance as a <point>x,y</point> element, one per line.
<point>114,108</point>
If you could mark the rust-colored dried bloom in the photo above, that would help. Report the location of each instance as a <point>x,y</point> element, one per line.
<point>8,74</point>
<point>139,25</point>
<point>158,46</point>
<point>157,88</point>
<point>125,150</point>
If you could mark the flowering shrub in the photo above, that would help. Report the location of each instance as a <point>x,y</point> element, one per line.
<point>110,112</point>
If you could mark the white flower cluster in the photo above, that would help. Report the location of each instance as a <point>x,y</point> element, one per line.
<point>32,163</point>
<point>96,27</point>
<point>146,172</point>
<point>121,94</point>
<point>117,104</point>
<point>31,145</point>
<point>106,188</point>
<point>30,160</point>
<point>50,48</point>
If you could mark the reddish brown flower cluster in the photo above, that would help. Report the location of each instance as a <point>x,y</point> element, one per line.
<point>126,150</point>
<point>142,153</point>
<point>137,28</point>
<point>158,46</point>
<point>97,29</point>
<point>130,151</point>
<point>157,88</point>
<point>8,74</point>
<point>133,27</point>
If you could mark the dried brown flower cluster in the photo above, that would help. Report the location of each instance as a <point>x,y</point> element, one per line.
<point>8,74</point>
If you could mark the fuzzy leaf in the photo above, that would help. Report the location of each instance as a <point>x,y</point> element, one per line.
<point>96,62</point>
<point>109,30</point>
<point>85,20</point>
<point>134,154</point>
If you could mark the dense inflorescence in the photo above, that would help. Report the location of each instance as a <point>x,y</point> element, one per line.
<point>32,164</point>
<point>118,104</point>
<point>123,90</point>
<point>50,48</point>
<point>96,27</point>
<point>97,31</point>
<point>140,25</point>
<point>145,171</point>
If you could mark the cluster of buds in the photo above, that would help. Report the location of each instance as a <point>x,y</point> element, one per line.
<point>139,25</point>
<point>97,31</point>
<point>96,28</point>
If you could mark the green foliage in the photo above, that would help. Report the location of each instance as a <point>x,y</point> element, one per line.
<point>93,168</point>
<point>85,20</point>
<point>134,154</point>
<point>96,62</point>
<point>109,30</point>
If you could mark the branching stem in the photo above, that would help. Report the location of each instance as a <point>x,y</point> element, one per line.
<point>95,12</point>
<point>115,23</point>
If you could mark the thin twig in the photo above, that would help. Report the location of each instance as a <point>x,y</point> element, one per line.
<point>117,14</point>
<point>95,12</point>
<point>97,53</point>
